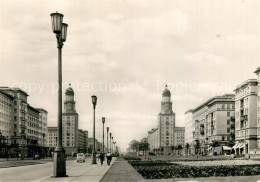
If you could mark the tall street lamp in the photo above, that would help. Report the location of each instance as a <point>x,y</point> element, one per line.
<point>112,146</point>
<point>110,134</point>
<point>60,29</point>
<point>103,121</point>
<point>94,102</point>
<point>107,139</point>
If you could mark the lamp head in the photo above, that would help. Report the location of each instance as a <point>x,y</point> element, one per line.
<point>94,99</point>
<point>56,19</point>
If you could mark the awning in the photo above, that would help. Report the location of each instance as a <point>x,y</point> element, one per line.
<point>227,148</point>
<point>236,146</point>
<point>242,145</point>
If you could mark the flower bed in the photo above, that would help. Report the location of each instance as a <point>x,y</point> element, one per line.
<point>131,158</point>
<point>164,170</point>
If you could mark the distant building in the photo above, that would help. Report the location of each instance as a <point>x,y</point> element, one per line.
<point>82,142</point>
<point>70,123</point>
<point>32,128</point>
<point>153,139</point>
<point>212,121</point>
<point>19,124</point>
<point>189,129</point>
<point>43,121</point>
<point>166,136</point>
<point>52,137</point>
<point>7,126</point>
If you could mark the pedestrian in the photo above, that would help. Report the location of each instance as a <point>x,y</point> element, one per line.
<point>101,157</point>
<point>109,158</point>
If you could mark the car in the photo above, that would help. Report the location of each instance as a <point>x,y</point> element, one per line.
<point>80,157</point>
<point>37,157</point>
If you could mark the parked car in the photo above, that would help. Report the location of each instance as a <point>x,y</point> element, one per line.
<point>80,157</point>
<point>36,157</point>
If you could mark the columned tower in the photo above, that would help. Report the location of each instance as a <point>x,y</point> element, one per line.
<point>70,119</point>
<point>166,125</point>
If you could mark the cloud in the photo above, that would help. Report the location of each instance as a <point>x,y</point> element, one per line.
<point>203,57</point>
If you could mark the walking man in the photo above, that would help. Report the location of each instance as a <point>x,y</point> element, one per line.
<point>101,156</point>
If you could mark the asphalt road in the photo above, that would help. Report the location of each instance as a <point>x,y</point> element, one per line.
<point>35,172</point>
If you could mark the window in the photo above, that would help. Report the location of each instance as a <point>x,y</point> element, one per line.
<point>223,138</point>
<point>228,122</point>
<point>228,113</point>
<point>228,130</point>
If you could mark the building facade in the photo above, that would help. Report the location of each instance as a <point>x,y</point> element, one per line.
<point>82,142</point>
<point>189,129</point>
<point>19,123</point>
<point>153,140</point>
<point>246,116</point>
<point>43,121</point>
<point>6,121</point>
<point>257,72</point>
<point>212,121</point>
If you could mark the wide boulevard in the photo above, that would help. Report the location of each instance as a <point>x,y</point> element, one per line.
<point>38,171</point>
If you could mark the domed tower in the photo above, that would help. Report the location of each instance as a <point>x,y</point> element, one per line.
<point>70,119</point>
<point>69,103</point>
<point>166,104</point>
<point>166,122</point>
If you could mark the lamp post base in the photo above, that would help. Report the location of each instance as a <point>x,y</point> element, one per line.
<point>59,165</point>
<point>94,159</point>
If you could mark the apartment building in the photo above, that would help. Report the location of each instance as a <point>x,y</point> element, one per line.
<point>246,116</point>
<point>212,121</point>
<point>153,139</point>
<point>19,122</point>
<point>43,120</point>
<point>7,123</point>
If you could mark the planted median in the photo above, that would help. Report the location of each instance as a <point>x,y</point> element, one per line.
<point>164,170</point>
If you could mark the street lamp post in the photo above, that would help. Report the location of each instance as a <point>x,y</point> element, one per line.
<point>94,102</point>
<point>107,139</point>
<point>110,134</point>
<point>112,146</point>
<point>103,121</point>
<point>60,29</point>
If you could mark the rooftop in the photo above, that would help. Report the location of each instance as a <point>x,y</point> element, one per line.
<point>245,83</point>
<point>257,70</point>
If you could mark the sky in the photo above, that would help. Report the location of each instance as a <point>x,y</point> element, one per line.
<point>124,52</point>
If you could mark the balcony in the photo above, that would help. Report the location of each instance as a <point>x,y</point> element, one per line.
<point>232,126</point>
<point>244,117</point>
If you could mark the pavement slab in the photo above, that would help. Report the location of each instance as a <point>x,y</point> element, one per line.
<point>122,171</point>
<point>83,172</point>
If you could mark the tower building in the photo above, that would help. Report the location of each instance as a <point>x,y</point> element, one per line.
<point>169,135</point>
<point>70,119</point>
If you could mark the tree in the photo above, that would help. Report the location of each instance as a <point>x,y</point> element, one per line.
<point>179,147</point>
<point>134,145</point>
<point>144,146</point>
<point>214,144</point>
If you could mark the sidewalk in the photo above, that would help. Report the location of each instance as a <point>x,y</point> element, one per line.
<point>87,173</point>
<point>122,171</point>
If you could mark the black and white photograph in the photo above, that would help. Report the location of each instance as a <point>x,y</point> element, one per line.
<point>129,90</point>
